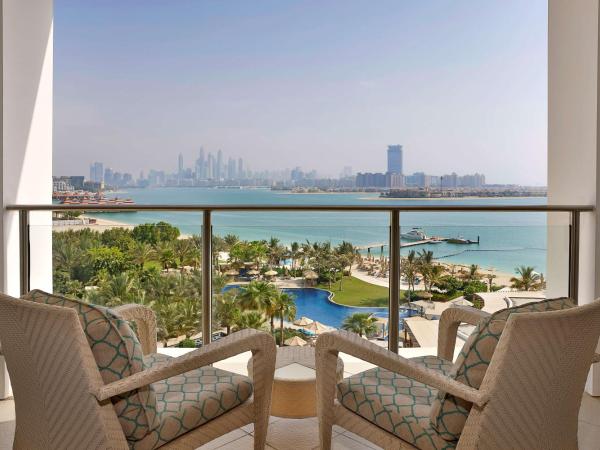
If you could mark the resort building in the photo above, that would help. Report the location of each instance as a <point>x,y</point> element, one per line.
<point>240,319</point>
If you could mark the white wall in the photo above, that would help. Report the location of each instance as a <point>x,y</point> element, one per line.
<point>572,141</point>
<point>26,145</point>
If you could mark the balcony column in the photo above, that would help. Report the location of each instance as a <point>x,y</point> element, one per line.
<point>26,144</point>
<point>573,147</point>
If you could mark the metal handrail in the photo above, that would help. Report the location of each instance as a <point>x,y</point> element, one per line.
<point>394,211</point>
<point>341,208</point>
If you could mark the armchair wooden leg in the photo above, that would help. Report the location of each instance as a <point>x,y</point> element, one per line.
<point>326,362</point>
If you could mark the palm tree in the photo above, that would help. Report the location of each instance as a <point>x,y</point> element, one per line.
<point>294,253</point>
<point>250,319</point>
<point>141,253</point>
<point>360,323</point>
<point>189,313</point>
<point>230,240</point>
<point>227,310</point>
<point>424,266</point>
<point>490,277</point>
<point>275,251</point>
<point>117,290</point>
<point>473,274</point>
<point>167,320</point>
<point>165,254</point>
<point>183,250</point>
<point>259,295</point>
<point>409,270</point>
<point>350,253</point>
<point>435,275</point>
<point>285,308</point>
<point>527,280</point>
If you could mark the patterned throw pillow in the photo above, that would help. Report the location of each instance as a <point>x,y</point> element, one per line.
<point>448,413</point>
<point>118,354</point>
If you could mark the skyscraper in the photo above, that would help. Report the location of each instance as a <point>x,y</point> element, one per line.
<point>97,172</point>
<point>394,159</point>
<point>231,168</point>
<point>201,166</point>
<point>108,175</point>
<point>240,170</point>
<point>180,165</point>
<point>210,167</point>
<point>219,172</point>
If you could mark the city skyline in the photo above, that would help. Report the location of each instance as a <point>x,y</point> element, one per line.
<point>209,170</point>
<point>462,84</point>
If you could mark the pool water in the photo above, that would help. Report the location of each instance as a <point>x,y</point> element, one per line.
<point>314,303</point>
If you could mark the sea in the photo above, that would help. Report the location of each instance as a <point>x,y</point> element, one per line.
<point>506,239</point>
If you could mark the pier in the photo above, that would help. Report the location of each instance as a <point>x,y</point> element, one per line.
<point>432,240</point>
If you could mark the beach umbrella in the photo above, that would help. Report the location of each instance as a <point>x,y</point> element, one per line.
<point>232,272</point>
<point>253,272</point>
<point>317,327</point>
<point>270,273</point>
<point>425,295</point>
<point>311,275</point>
<point>295,341</point>
<point>303,321</point>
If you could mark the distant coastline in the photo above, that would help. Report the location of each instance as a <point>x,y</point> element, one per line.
<point>419,199</point>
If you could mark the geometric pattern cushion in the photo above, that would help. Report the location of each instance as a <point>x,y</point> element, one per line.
<point>186,401</point>
<point>398,404</point>
<point>118,354</point>
<point>448,413</point>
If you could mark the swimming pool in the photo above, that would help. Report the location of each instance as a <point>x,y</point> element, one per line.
<point>314,303</point>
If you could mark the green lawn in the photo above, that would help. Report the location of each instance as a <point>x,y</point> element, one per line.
<point>356,292</point>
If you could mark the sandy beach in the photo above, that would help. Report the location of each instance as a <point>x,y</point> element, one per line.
<point>99,225</point>
<point>502,278</point>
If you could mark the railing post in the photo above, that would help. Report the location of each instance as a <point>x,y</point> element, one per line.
<point>394,308</point>
<point>24,250</point>
<point>206,277</point>
<point>574,255</point>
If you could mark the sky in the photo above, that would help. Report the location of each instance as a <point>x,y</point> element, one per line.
<point>320,84</point>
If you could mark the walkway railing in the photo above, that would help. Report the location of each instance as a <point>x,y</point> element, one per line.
<point>574,212</point>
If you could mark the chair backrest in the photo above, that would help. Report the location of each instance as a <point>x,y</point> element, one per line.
<point>448,413</point>
<point>53,375</point>
<point>535,381</point>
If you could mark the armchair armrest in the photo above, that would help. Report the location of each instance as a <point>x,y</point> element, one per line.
<point>450,319</point>
<point>261,344</point>
<point>145,321</point>
<point>330,344</point>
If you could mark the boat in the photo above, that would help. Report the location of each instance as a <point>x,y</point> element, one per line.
<point>462,241</point>
<point>416,234</point>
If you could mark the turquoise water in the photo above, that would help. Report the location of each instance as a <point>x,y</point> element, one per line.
<point>314,304</point>
<point>507,239</point>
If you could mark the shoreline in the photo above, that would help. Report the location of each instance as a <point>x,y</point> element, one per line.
<point>102,224</point>
<point>467,197</point>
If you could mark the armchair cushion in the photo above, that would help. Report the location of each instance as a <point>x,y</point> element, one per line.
<point>448,413</point>
<point>396,403</point>
<point>189,400</point>
<point>118,354</point>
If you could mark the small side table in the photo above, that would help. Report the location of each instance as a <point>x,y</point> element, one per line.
<point>294,384</point>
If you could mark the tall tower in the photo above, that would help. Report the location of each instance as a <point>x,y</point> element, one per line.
<point>219,172</point>
<point>240,170</point>
<point>97,172</point>
<point>394,159</point>
<point>210,167</point>
<point>180,164</point>
<point>201,166</point>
